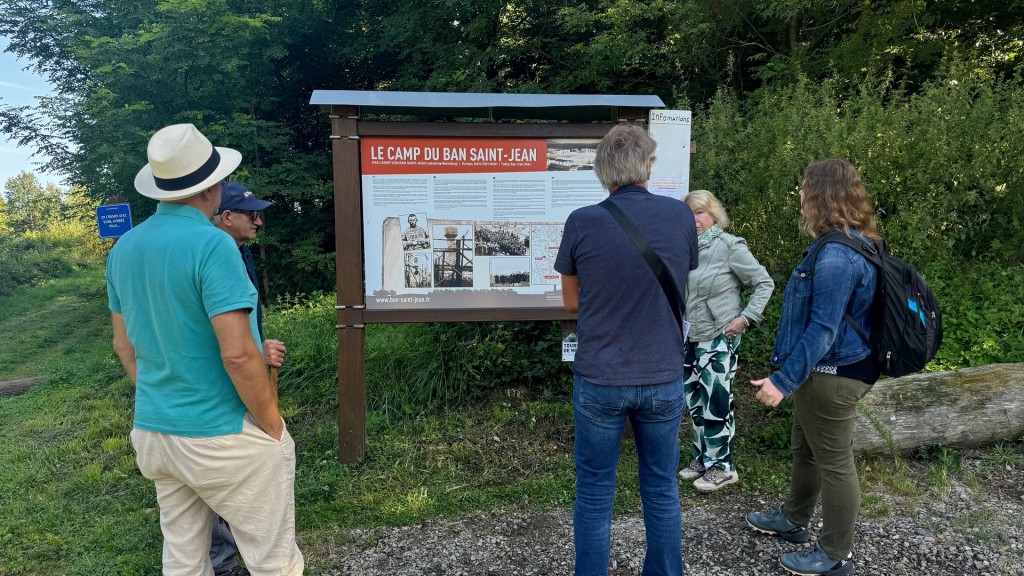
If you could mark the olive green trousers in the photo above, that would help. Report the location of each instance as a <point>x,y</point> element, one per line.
<point>824,409</point>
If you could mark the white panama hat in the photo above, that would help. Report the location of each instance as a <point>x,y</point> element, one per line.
<point>182,163</point>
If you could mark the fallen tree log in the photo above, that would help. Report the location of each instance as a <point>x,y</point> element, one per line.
<point>962,408</point>
<point>20,386</point>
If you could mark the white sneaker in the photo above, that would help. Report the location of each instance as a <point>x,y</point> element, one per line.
<point>715,478</point>
<point>694,470</point>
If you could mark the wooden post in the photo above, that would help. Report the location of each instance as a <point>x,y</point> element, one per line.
<point>348,229</point>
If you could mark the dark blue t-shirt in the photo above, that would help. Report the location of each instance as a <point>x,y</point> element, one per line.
<point>627,335</point>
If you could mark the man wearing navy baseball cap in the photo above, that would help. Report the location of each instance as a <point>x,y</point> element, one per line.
<point>240,215</point>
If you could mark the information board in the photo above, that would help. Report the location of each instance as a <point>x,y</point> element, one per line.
<point>670,175</point>
<point>469,222</point>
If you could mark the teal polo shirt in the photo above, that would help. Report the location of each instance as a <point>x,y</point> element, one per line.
<point>168,277</point>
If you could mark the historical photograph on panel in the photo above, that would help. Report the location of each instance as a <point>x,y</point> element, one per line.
<point>502,239</point>
<point>414,233</point>
<point>509,272</point>
<point>417,270</point>
<point>453,255</point>
<point>571,154</point>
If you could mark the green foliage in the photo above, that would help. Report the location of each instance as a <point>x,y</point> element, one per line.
<point>944,456</point>
<point>243,73</point>
<point>306,326</point>
<point>760,430</point>
<point>983,318</point>
<point>30,206</point>
<point>454,362</point>
<point>413,367</point>
<point>940,168</point>
<point>52,231</point>
<point>27,261</point>
<point>1004,455</point>
<point>5,218</point>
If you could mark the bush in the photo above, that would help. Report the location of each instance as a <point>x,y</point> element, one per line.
<point>411,367</point>
<point>983,313</point>
<point>306,326</point>
<point>78,240</point>
<point>26,261</point>
<point>946,177</point>
<point>941,166</point>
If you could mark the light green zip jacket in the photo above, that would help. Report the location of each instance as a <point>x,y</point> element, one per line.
<point>713,289</point>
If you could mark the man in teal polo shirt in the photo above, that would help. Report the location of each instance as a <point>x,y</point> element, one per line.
<point>207,430</point>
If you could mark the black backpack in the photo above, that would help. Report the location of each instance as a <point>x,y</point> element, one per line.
<point>908,324</point>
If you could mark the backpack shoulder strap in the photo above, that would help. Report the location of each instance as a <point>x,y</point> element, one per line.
<point>866,248</point>
<point>871,251</point>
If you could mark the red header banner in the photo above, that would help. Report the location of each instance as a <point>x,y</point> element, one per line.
<point>387,156</point>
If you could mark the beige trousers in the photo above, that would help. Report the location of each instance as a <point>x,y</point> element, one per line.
<point>247,478</point>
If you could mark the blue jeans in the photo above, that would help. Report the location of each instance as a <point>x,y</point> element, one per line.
<point>223,548</point>
<point>599,413</point>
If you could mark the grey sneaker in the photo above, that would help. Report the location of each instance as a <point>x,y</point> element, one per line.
<point>694,470</point>
<point>815,562</point>
<point>777,524</point>
<point>715,478</point>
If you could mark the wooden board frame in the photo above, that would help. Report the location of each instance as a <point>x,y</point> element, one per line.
<point>352,315</point>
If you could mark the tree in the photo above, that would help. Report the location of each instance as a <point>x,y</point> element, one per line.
<point>243,72</point>
<point>5,219</point>
<point>31,205</point>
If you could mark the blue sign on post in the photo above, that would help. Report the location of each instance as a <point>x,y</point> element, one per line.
<point>113,220</point>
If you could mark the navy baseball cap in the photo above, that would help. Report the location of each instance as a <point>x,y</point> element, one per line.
<point>235,196</point>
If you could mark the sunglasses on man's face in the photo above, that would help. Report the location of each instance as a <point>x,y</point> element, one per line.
<point>252,214</point>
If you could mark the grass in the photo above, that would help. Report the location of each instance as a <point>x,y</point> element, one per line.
<point>874,506</point>
<point>73,502</point>
<point>986,525</point>
<point>71,498</point>
<point>50,326</point>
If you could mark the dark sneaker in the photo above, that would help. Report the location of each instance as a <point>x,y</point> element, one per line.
<point>715,478</point>
<point>236,571</point>
<point>777,524</point>
<point>815,562</point>
<point>693,471</point>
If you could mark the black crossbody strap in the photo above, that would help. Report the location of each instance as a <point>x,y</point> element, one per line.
<point>652,259</point>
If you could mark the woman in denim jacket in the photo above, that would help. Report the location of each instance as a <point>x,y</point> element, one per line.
<point>717,319</point>
<point>827,368</point>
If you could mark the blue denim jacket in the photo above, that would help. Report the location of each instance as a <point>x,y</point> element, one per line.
<point>811,329</point>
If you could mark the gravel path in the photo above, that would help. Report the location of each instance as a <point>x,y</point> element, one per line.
<point>969,528</point>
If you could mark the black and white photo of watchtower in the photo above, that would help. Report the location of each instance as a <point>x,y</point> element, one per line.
<point>453,257</point>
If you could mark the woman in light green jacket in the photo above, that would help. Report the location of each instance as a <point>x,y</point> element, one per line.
<point>717,320</point>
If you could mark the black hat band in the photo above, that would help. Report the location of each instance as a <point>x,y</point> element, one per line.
<point>189,180</point>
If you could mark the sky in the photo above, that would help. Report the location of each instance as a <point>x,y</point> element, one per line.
<point>19,88</point>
